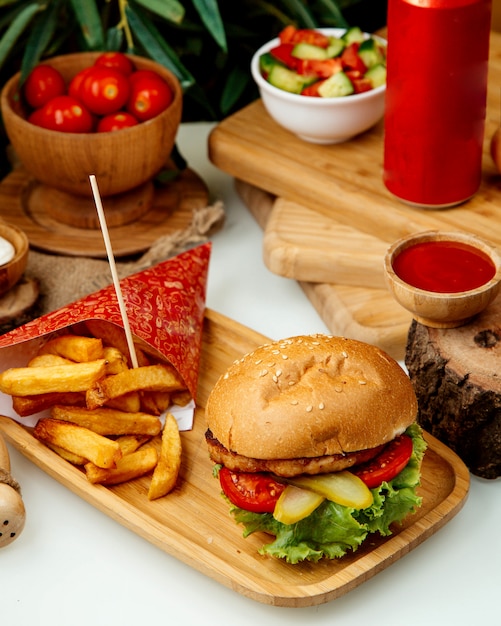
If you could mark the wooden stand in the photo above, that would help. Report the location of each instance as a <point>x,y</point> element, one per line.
<point>60,223</point>
<point>456,376</point>
<point>80,211</point>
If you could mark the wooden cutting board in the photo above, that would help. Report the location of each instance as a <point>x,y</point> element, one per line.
<point>193,524</point>
<point>344,181</point>
<point>366,314</point>
<point>307,245</point>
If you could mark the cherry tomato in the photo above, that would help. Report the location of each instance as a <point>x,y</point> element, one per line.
<point>116,60</point>
<point>116,121</point>
<point>150,95</point>
<point>253,492</point>
<point>43,83</point>
<point>104,90</point>
<point>386,465</point>
<point>65,114</point>
<point>76,83</point>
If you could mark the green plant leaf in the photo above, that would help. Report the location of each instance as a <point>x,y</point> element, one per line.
<point>114,38</point>
<point>42,30</point>
<point>208,11</point>
<point>170,10</point>
<point>332,9</point>
<point>16,29</point>
<point>156,46</point>
<point>299,8</point>
<point>89,20</point>
<point>234,87</point>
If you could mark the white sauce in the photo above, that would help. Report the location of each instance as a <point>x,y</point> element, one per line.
<point>7,251</point>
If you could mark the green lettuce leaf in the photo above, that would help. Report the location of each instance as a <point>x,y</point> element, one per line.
<point>332,529</point>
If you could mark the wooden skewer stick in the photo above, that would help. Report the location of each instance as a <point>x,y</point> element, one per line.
<point>111,261</point>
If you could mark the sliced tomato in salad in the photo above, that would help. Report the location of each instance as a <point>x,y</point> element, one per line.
<point>319,68</point>
<point>283,53</point>
<point>360,83</point>
<point>250,491</point>
<point>351,59</point>
<point>303,35</point>
<point>386,465</point>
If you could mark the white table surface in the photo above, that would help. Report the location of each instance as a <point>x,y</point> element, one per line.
<point>74,566</point>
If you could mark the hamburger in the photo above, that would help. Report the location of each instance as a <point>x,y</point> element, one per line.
<point>315,442</point>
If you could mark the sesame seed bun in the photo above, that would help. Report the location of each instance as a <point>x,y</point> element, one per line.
<point>310,396</point>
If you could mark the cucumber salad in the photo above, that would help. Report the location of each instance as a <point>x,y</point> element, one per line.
<point>310,63</point>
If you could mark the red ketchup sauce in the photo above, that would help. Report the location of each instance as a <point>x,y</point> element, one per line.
<point>444,266</point>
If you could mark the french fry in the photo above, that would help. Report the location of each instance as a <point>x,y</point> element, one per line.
<point>181,398</point>
<point>81,441</point>
<point>29,405</point>
<point>74,459</point>
<point>48,360</point>
<point>128,467</point>
<point>130,443</point>
<point>155,402</point>
<point>116,361</point>
<point>113,335</point>
<point>167,470</point>
<point>74,347</point>
<point>129,402</point>
<point>29,381</point>
<point>159,377</point>
<point>105,421</point>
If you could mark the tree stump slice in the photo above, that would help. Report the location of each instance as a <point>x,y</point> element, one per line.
<point>456,374</point>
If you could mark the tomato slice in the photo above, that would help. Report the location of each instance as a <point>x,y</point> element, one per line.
<point>386,465</point>
<point>254,492</point>
<point>283,53</point>
<point>351,60</point>
<point>321,69</point>
<point>290,34</point>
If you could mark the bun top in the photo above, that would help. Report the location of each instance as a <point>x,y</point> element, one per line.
<point>309,396</point>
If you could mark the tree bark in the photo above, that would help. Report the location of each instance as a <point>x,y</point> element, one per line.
<point>456,374</point>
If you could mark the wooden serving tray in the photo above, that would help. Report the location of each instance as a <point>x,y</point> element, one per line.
<point>193,523</point>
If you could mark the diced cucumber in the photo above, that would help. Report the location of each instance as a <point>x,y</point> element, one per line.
<point>377,75</point>
<point>335,47</point>
<point>266,62</point>
<point>353,34</point>
<point>370,53</point>
<point>309,51</point>
<point>286,79</point>
<point>336,86</point>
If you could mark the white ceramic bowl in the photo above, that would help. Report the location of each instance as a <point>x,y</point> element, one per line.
<point>320,120</point>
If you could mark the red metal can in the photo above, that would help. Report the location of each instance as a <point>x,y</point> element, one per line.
<point>436,93</point>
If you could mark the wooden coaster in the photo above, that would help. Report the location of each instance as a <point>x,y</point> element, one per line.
<point>171,210</point>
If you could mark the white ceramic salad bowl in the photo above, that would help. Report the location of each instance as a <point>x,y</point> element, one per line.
<point>315,119</point>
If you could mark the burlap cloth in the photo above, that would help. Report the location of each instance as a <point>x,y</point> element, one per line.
<point>64,279</point>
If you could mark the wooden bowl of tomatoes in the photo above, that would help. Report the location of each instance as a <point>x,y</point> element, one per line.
<point>61,147</point>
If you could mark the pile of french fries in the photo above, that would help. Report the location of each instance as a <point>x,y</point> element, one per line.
<point>104,413</point>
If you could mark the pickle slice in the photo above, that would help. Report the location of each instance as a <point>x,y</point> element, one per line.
<point>342,487</point>
<point>295,504</point>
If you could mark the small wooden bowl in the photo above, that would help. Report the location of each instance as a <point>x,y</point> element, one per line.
<point>121,160</point>
<point>442,309</point>
<point>11,272</point>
